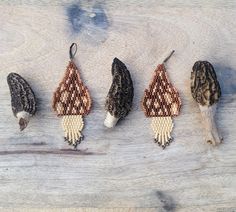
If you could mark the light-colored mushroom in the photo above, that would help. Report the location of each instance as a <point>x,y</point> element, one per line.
<point>205,89</point>
<point>120,96</point>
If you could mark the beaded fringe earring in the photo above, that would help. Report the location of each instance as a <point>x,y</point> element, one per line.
<point>72,101</point>
<point>161,101</point>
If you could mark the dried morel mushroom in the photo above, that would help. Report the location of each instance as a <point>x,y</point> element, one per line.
<point>205,89</point>
<point>22,99</point>
<point>72,101</point>
<point>120,96</point>
<point>161,101</point>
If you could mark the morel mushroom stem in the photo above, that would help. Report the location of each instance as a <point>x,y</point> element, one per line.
<point>208,115</point>
<point>23,119</point>
<point>110,121</point>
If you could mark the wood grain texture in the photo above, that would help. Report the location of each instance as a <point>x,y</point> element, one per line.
<point>121,168</point>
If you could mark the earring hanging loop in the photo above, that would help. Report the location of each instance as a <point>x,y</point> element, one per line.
<point>71,53</point>
<point>169,56</point>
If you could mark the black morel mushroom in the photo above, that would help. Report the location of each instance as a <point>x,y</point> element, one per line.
<point>205,89</point>
<point>120,96</point>
<point>22,99</point>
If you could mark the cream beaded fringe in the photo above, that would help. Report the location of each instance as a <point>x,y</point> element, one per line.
<point>162,127</point>
<point>72,126</point>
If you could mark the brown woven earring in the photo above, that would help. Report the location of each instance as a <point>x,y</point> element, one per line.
<point>72,101</point>
<point>161,101</point>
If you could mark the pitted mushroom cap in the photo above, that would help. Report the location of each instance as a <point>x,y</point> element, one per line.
<point>120,96</point>
<point>205,87</point>
<point>22,96</point>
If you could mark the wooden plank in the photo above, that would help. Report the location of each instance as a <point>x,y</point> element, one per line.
<point>120,168</point>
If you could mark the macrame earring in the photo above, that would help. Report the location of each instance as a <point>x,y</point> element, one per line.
<point>161,101</point>
<point>72,101</point>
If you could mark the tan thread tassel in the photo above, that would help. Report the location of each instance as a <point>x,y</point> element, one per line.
<point>72,101</point>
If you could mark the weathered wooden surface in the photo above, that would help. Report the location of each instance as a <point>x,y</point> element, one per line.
<point>122,167</point>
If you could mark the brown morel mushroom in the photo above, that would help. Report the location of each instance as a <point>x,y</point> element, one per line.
<point>72,101</point>
<point>161,101</point>
<point>22,99</point>
<point>120,96</point>
<point>205,89</point>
